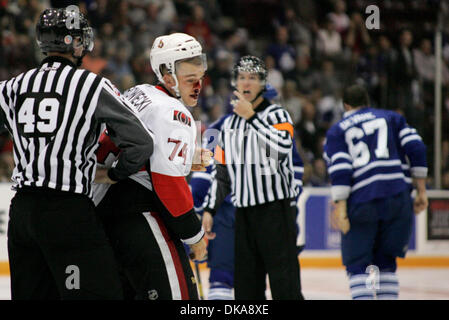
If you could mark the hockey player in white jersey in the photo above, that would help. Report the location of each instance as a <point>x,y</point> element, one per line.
<point>150,214</point>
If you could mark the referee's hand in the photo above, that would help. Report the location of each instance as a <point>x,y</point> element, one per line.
<point>208,222</point>
<point>242,107</point>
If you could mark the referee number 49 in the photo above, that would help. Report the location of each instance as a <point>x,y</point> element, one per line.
<point>38,116</point>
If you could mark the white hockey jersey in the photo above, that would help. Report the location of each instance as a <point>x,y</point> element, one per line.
<point>173,127</point>
<point>174,140</point>
<point>173,153</point>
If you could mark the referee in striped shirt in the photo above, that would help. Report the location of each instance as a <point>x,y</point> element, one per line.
<point>55,114</point>
<point>254,165</point>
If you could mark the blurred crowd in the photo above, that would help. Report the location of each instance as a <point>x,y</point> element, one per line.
<point>312,50</point>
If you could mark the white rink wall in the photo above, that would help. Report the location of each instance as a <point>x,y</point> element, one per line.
<point>423,246</point>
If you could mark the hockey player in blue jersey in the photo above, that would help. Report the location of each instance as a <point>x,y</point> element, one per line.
<point>370,155</point>
<point>221,248</point>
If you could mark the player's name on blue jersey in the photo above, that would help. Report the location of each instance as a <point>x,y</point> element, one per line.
<point>369,154</point>
<point>357,118</point>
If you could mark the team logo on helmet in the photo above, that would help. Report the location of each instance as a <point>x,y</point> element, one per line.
<point>68,39</point>
<point>161,44</point>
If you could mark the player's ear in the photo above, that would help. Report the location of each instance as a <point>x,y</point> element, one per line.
<point>169,80</point>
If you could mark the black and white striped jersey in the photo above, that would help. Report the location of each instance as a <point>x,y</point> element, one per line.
<point>55,115</point>
<point>254,159</point>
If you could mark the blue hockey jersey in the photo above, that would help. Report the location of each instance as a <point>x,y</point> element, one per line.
<point>373,153</point>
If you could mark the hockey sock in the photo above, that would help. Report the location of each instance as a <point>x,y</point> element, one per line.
<point>221,284</point>
<point>360,287</point>
<point>388,280</point>
<point>388,286</point>
<point>220,291</point>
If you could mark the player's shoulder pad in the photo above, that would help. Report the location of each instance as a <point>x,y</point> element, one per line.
<point>177,111</point>
<point>108,84</point>
<point>394,117</point>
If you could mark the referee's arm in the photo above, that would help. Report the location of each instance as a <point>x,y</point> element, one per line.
<point>2,121</point>
<point>2,105</point>
<point>126,131</point>
<point>219,189</point>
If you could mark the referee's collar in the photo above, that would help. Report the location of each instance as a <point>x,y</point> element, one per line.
<point>60,59</point>
<point>263,105</point>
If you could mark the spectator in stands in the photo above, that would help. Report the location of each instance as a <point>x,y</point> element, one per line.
<point>274,77</point>
<point>368,70</point>
<point>167,10</point>
<point>135,23</point>
<point>425,65</point>
<point>107,34</point>
<point>300,34</point>
<point>99,13</point>
<point>404,75</point>
<point>329,43</point>
<point>94,61</point>
<point>330,109</point>
<point>340,18</point>
<point>308,130</point>
<point>121,18</point>
<point>387,56</point>
<point>328,82</point>
<point>221,69</point>
<point>282,51</point>
<point>120,68</point>
<point>214,16</point>
<point>292,102</point>
<point>197,27</point>
<point>305,76</point>
<point>154,25</point>
<point>357,36</point>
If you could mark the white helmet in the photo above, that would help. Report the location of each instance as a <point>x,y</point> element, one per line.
<point>168,49</point>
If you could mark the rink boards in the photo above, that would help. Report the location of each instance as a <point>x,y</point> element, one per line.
<point>429,244</point>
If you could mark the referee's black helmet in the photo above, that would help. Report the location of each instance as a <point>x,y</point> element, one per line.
<point>57,30</point>
<point>250,64</point>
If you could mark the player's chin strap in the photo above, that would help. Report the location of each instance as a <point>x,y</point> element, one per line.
<point>176,95</point>
<point>176,89</point>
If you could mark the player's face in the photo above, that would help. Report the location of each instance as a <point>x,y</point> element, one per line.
<point>190,79</point>
<point>248,84</point>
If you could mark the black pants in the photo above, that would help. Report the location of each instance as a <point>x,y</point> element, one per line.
<point>58,248</point>
<point>153,262</point>
<point>265,243</point>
